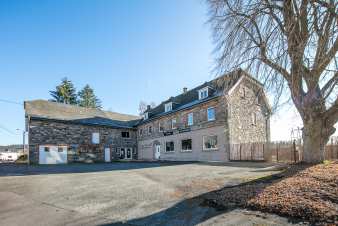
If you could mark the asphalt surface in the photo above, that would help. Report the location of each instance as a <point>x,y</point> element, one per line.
<point>124,194</point>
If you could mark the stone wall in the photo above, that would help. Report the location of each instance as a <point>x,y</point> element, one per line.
<point>200,120</point>
<point>245,104</point>
<point>78,139</point>
<point>200,128</point>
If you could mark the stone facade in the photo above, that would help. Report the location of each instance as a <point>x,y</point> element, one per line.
<point>248,117</point>
<point>241,115</point>
<point>78,139</point>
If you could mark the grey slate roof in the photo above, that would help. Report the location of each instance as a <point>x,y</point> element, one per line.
<point>190,98</point>
<point>47,110</point>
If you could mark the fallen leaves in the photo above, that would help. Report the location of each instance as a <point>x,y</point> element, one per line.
<point>304,191</point>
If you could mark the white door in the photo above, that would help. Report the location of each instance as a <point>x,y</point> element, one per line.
<point>107,155</point>
<point>52,154</point>
<point>157,151</point>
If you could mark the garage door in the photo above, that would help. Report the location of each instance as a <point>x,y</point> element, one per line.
<point>52,154</point>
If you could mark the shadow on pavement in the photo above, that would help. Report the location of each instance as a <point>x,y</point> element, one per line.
<point>23,170</point>
<point>196,210</point>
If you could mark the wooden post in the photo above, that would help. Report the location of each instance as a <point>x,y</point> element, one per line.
<point>294,150</point>
<point>332,149</point>
<point>263,152</point>
<point>240,151</point>
<point>277,151</point>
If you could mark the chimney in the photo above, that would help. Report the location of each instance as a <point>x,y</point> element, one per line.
<point>185,89</point>
<point>148,107</point>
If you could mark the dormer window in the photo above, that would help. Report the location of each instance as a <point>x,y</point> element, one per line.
<point>203,93</point>
<point>146,115</point>
<point>168,106</point>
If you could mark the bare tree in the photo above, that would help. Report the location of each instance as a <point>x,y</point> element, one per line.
<point>142,107</point>
<point>291,46</point>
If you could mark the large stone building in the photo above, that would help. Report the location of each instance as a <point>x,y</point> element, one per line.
<point>197,125</point>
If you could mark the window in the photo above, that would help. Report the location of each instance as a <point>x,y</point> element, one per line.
<point>209,142</point>
<point>150,129</point>
<point>95,138</point>
<point>203,93</point>
<point>60,149</point>
<point>173,123</point>
<point>190,119</point>
<point>254,118</point>
<point>160,127</point>
<point>211,114</point>
<point>186,145</point>
<point>140,132</point>
<point>168,107</point>
<point>125,135</point>
<point>169,146</point>
<point>146,115</point>
<point>46,149</point>
<point>243,92</point>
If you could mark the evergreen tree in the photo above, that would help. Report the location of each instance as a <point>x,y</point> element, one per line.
<point>88,99</point>
<point>64,93</point>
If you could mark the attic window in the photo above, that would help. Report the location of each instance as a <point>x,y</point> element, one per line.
<point>168,106</point>
<point>203,93</point>
<point>146,116</point>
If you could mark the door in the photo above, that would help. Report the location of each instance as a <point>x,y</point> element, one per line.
<point>122,153</point>
<point>129,153</point>
<point>157,151</point>
<point>52,154</point>
<point>107,157</point>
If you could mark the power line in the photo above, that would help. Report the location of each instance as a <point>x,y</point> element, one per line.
<point>10,102</point>
<point>7,130</point>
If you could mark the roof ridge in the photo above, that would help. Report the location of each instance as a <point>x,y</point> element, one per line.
<point>80,107</point>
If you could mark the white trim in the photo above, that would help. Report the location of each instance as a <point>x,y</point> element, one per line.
<point>96,138</point>
<point>213,119</point>
<point>192,119</point>
<point>165,146</point>
<point>173,121</point>
<point>210,149</point>
<point>188,150</point>
<point>205,89</point>
<point>159,127</point>
<point>168,107</point>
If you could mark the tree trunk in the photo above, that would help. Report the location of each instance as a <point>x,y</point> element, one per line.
<point>315,137</point>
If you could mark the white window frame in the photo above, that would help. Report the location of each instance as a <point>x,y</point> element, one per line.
<point>254,118</point>
<point>168,107</point>
<point>96,138</point>
<point>146,115</point>
<point>159,127</point>
<point>190,119</point>
<point>188,150</point>
<point>173,123</point>
<point>210,149</point>
<point>166,146</point>
<point>214,118</point>
<point>203,93</point>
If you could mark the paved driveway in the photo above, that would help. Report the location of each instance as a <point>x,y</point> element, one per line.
<point>122,193</point>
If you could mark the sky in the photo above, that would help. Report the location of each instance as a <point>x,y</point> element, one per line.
<point>126,50</point>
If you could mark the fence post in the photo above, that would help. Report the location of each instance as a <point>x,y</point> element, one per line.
<point>332,157</point>
<point>263,153</point>
<point>240,151</point>
<point>251,149</point>
<point>277,151</point>
<point>294,150</point>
